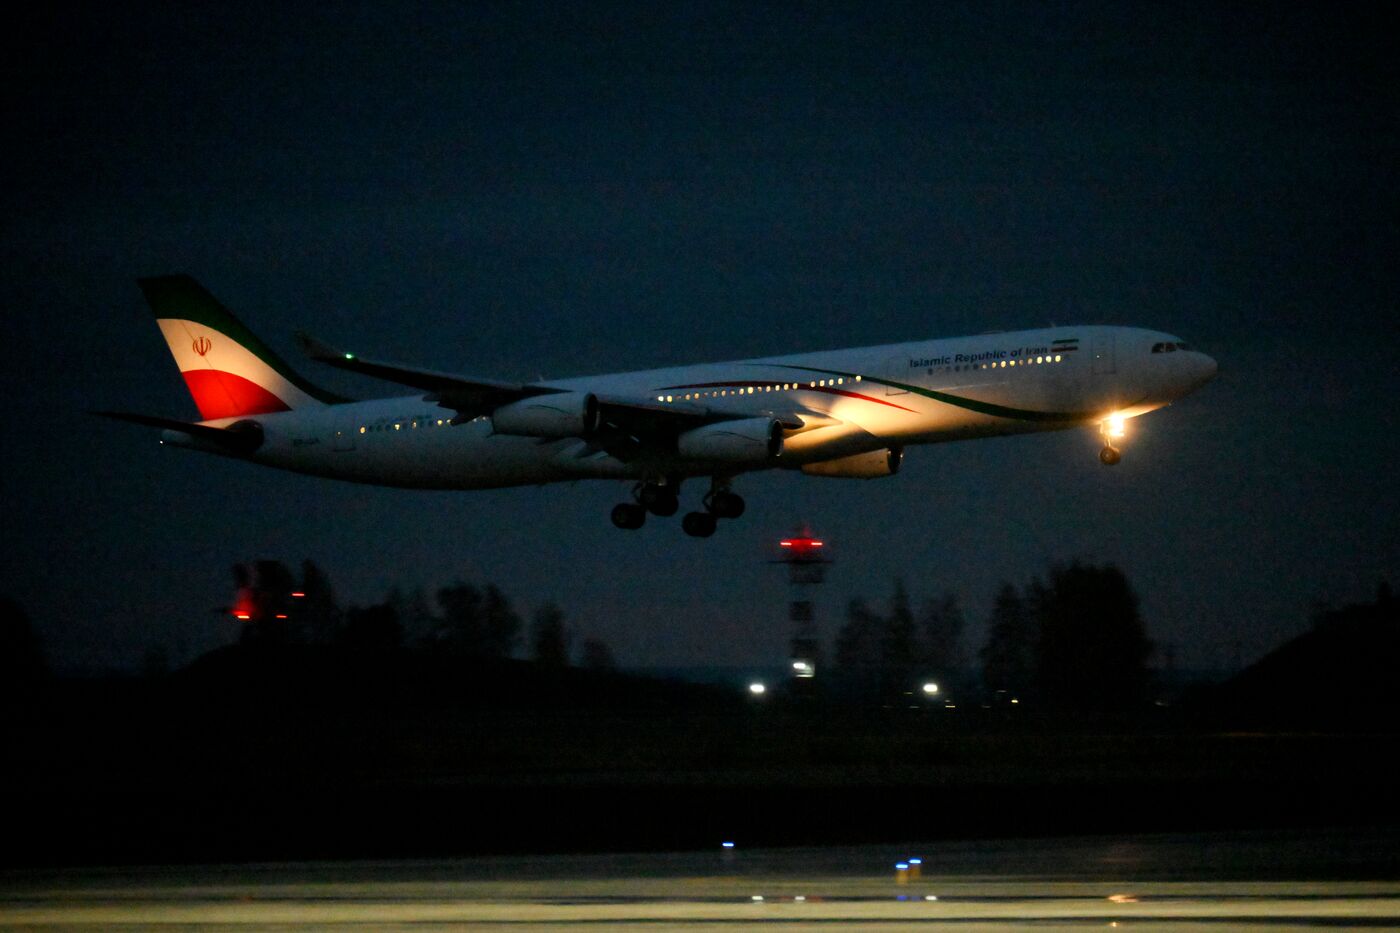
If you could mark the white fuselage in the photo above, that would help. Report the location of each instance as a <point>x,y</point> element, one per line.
<point>848,401</point>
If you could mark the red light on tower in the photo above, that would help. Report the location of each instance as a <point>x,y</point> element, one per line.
<point>245,606</point>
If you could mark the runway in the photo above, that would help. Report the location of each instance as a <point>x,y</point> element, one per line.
<point>1336,879</point>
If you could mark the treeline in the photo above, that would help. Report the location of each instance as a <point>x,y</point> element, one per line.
<point>1073,642</point>
<point>458,621</point>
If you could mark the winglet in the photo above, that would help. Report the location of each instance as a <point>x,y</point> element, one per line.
<point>319,350</point>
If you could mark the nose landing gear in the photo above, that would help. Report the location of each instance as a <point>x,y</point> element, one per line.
<point>1110,430</point>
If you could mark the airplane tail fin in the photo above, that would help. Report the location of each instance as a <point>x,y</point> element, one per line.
<point>229,371</point>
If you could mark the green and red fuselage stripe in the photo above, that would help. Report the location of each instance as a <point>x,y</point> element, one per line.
<point>766,383</point>
<point>970,404</point>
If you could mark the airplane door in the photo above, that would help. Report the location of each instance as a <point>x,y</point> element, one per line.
<point>896,371</point>
<point>1103,355</point>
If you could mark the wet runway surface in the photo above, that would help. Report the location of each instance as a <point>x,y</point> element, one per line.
<point>1337,879</point>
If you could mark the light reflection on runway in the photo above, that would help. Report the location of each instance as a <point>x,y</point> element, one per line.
<point>1191,882</point>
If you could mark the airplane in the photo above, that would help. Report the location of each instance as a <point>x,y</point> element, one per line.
<point>841,413</point>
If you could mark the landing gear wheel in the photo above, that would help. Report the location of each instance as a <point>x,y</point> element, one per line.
<point>1110,455</point>
<point>628,515</point>
<point>698,524</point>
<point>725,504</point>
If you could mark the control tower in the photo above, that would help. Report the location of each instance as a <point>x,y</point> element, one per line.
<point>806,557</point>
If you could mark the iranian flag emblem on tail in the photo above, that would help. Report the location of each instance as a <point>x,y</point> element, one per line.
<point>230,372</point>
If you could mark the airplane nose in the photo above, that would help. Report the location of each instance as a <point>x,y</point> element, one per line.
<point>1206,369</point>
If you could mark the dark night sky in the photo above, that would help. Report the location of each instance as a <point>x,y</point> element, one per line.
<point>515,190</point>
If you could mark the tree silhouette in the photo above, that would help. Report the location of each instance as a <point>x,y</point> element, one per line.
<point>858,641</point>
<point>1092,652</point>
<point>315,614</point>
<point>21,660</point>
<point>476,623</point>
<point>898,650</point>
<point>373,630</point>
<point>415,614</point>
<point>550,638</point>
<point>596,656</point>
<point>940,632</point>
<point>1009,657</point>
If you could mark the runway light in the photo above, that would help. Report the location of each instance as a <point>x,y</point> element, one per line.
<point>243,616</point>
<point>727,845</point>
<point>930,688</point>
<point>901,866</point>
<point>916,861</point>
<point>930,897</point>
<point>298,595</point>
<point>756,898</point>
<point>757,688</point>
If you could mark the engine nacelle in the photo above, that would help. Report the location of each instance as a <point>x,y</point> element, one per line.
<point>870,465</point>
<point>746,441</point>
<point>559,414</point>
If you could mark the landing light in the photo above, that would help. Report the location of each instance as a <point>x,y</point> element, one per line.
<point>930,688</point>
<point>757,689</point>
<point>1115,425</point>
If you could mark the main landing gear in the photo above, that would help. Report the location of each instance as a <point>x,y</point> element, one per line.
<point>1110,430</point>
<point>661,500</point>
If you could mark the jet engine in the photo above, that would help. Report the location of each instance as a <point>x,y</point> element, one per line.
<point>870,465</point>
<point>556,415</point>
<point>744,441</point>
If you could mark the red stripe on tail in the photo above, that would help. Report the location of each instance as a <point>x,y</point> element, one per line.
<point>224,395</point>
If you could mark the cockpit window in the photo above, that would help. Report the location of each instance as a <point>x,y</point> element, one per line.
<point>1169,347</point>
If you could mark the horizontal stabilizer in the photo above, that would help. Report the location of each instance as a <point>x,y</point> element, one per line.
<point>241,438</point>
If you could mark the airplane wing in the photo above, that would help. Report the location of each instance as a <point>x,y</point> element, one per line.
<point>629,427</point>
<point>467,397</point>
